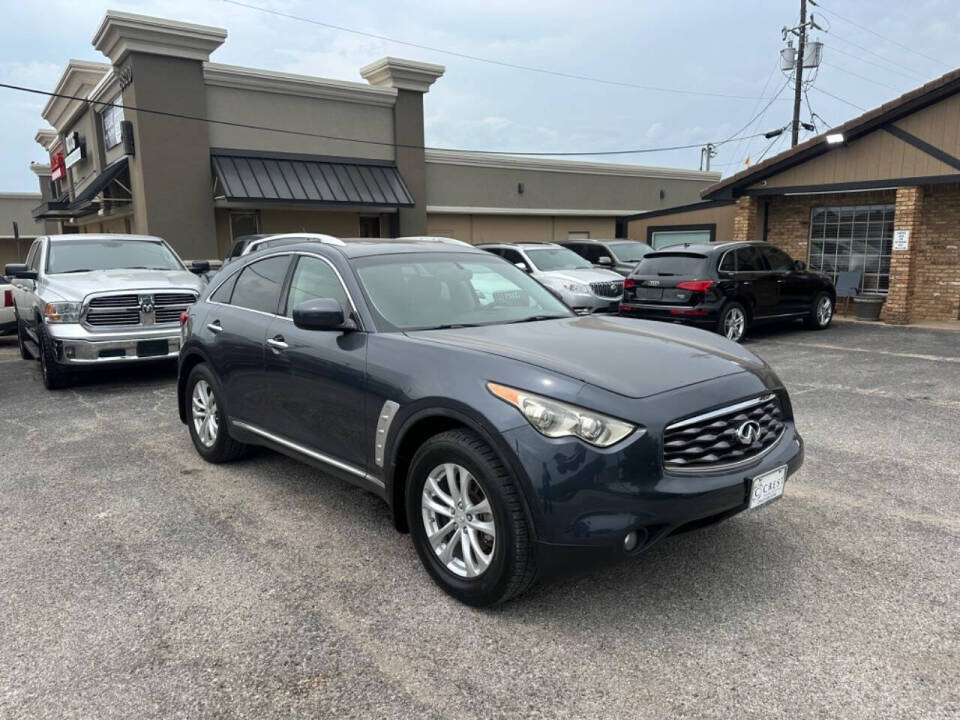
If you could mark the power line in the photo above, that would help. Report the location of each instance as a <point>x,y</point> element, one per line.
<point>882,37</point>
<point>862,77</point>
<point>307,133</point>
<point>912,78</point>
<point>736,149</point>
<point>917,75</point>
<point>491,61</point>
<point>835,97</point>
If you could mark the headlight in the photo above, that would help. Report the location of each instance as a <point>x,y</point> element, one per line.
<point>556,419</point>
<point>575,287</point>
<point>62,312</point>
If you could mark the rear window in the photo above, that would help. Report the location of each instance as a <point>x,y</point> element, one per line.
<point>671,263</point>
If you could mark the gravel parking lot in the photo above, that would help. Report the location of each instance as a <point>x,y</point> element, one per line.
<point>138,581</point>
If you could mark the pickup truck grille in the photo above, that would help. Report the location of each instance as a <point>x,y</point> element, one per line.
<point>137,310</point>
<point>612,289</point>
<point>729,436</point>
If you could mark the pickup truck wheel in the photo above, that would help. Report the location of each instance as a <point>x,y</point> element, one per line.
<point>466,520</point>
<point>55,376</point>
<point>206,419</point>
<point>22,338</point>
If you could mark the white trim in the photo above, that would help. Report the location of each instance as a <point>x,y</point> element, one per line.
<point>46,138</point>
<point>121,33</point>
<point>40,169</point>
<point>109,88</point>
<point>78,79</point>
<point>402,74</point>
<point>514,162</point>
<point>243,78</point>
<point>19,196</point>
<point>560,212</point>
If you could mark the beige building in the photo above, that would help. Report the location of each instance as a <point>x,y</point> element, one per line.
<point>878,196</point>
<point>234,151</point>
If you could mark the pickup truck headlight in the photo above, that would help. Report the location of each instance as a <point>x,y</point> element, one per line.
<point>62,312</point>
<point>575,287</point>
<point>557,419</point>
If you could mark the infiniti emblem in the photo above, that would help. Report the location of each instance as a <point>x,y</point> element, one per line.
<point>749,432</point>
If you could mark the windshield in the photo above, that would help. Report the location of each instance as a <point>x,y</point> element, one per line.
<point>666,263</point>
<point>432,290</point>
<point>556,258</point>
<point>629,252</point>
<point>70,256</point>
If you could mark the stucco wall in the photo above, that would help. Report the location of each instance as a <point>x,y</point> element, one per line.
<point>338,224</point>
<point>721,216</point>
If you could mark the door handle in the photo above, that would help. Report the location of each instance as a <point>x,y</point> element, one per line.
<point>277,342</point>
<point>215,327</point>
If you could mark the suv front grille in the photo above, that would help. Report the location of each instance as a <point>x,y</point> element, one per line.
<point>718,439</point>
<point>128,310</point>
<point>612,289</point>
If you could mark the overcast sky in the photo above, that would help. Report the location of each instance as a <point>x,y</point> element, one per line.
<point>707,46</point>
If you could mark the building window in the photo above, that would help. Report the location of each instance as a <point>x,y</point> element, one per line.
<point>853,238</point>
<point>244,223</point>
<point>370,226</point>
<point>661,236</point>
<point>111,118</point>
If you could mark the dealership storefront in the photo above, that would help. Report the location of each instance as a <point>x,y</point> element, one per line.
<point>237,150</point>
<point>880,202</point>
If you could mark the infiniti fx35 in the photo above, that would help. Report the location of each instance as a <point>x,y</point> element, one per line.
<point>512,438</point>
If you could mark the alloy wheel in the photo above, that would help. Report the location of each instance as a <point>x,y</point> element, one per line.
<point>458,520</point>
<point>824,311</point>
<point>204,409</point>
<point>734,323</point>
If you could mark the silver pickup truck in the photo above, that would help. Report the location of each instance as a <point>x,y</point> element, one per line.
<point>87,300</point>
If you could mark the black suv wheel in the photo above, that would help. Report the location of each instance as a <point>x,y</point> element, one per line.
<point>467,522</point>
<point>821,312</point>
<point>733,321</point>
<point>206,419</point>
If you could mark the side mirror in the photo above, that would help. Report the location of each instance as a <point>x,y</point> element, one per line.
<point>199,267</point>
<point>799,264</point>
<point>522,266</point>
<point>19,271</point>
<point>319,314</point>
<point>604,260</point>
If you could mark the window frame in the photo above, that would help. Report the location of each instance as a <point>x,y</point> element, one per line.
<point>827,225</point>
<point>336,273</point>
<point>111,108</point>
<point>283,284</point>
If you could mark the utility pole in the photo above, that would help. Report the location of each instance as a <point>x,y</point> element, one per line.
<point>707,152</point>
<point>798,87</point>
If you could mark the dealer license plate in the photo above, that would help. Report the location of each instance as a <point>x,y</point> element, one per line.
<point>768,486</point>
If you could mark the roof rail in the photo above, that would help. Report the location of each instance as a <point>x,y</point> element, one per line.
<point>306,237</point>
<point>435,238</point>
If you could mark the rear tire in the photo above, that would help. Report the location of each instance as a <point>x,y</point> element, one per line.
<point>206,419</point>
<point>733,322</point>
<point>55,376</point>
<point>483,557</point>
<point>821,313</point>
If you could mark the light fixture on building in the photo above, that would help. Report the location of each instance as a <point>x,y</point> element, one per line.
<point>834,138</point>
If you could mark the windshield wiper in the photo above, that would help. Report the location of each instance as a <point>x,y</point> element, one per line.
<point>67,272</point>
<point>451,326</point>
<point>536,318</point>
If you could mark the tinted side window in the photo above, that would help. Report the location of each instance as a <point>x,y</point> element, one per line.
<point>667,263</point>
<point>779,261</point>
<point>259,284</point>
<point>513,256</point>
<point>590,252</point>
<point>223,293</point>
<point>750,260</point>
<point>728,263</point>
<point>314,278</point>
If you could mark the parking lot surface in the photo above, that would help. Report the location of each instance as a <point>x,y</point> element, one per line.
<point>139,581</point>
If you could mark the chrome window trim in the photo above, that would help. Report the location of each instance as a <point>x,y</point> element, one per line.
<point>319,456</point>
<point>722,411</point>
<point>289,253</point>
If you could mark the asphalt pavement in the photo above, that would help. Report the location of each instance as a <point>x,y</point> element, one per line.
<point>138,581</point>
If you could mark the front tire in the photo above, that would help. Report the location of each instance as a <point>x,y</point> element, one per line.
<point>821,313</point>
<point>207,420</point>
<point>55,376</point>
<point>22,338</point>
<point>733,322</point>
<point>467,522</point>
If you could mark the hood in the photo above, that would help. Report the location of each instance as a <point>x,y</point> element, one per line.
<point>634,358</point>
<point>583,275</point>
<point>76,286</point>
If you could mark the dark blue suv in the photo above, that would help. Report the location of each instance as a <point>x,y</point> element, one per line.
<point>511,438</point>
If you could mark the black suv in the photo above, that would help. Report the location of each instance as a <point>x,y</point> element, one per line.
<point>510,437</point>
<point>620,256</point>
<point>727,288</point>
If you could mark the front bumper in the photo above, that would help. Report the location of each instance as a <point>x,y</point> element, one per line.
<point>585,303</point>
<point>75,345</point>
<point>585,500</point>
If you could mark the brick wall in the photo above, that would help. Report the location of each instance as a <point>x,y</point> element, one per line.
<point>898,308</point>
<point>745,219</point>
<point>935,288</point>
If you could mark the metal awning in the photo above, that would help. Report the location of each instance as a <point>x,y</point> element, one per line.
<point>307,180</point>
<point>83,204</point>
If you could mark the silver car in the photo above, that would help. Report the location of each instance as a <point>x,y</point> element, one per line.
<point>86,300</point>
<point>583,287</point>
